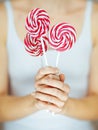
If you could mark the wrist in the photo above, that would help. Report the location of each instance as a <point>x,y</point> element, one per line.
<point>66,108</point>
<point>33,103</point>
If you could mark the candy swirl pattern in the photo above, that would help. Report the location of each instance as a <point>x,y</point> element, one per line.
<point>37,23</point>
<point>62,37</point>
<point>34,46</point>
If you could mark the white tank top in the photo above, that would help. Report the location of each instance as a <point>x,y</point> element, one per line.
<point>74,63</point>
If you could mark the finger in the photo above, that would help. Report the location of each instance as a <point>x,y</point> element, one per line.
<point>49,98</point>
<point>54,83</point>
<point>52,91</point>
<point>56,77</point>
<point>45,71</point>
<point>52,76</point>
<point>62,77</point>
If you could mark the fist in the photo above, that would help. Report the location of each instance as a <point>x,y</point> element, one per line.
<point>51,92</point>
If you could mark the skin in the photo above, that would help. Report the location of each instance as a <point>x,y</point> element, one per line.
<point>51,91</point>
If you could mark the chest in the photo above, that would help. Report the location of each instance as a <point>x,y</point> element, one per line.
<point>73,63</point>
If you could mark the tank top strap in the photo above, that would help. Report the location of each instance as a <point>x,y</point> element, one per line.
<point>87,17</point>
<point>86,31</point>
<point>88,10</point>
<point>10,17</point>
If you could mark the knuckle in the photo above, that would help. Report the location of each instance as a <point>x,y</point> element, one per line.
<point>40,71</point>
<point>65,98</point>
<point>47,79</point>
<point>49,67</point>
<point>52,69</point>
<point>50,76</point>
<point>67,88</point>
<point>38,88</point>
<point>57,77</point>
<point>46,68</point>
<point>42,89</point>
<point>36,84</point>
<point>36,95</point>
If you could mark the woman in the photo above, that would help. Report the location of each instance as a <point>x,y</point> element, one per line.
<point>24,107</point>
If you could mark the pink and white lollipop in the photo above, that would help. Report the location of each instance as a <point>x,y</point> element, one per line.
<point>34,46</point>
<point>62,37</point>
<point>37,22</point>
<point>37,25</point>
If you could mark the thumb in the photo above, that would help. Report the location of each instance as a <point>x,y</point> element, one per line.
<point>62,77</point>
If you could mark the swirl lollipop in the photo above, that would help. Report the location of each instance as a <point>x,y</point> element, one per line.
<point>33,45</point>
<point>37,25</point>
<point>37,22</point>
<point>62,37</point>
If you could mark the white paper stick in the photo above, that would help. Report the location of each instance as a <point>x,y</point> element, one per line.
<point>57,59</point>
<point>44,53</point>
<point>57,62</point>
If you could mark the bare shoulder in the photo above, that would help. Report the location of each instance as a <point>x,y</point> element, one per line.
<point>95,22</point>
<point>3,23</point>
<point>93,78</point>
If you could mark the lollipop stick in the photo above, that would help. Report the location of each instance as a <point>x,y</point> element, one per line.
<point>57,59</point>
<point>46,62</point>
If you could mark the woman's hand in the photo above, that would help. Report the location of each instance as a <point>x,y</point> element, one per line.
<point>51,92</point>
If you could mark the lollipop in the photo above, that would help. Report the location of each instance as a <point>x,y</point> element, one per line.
<point>62,37</point>
<point>37,22</point>
<point>33,45</point>
<point>37,25</point>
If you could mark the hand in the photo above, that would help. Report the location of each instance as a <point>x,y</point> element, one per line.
<point>51,92</point>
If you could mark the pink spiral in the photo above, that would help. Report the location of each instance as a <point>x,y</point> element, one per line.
<point>37,22</point>
<point>62,36</point>
<point>34,46</point>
